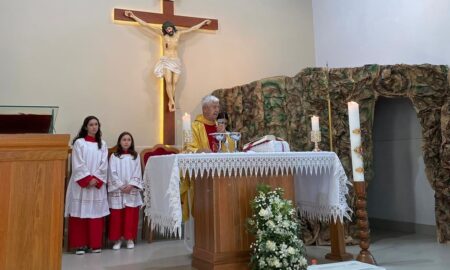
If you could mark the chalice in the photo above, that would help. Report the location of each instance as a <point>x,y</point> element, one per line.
<point>235,136</point>
<point>220,137</point>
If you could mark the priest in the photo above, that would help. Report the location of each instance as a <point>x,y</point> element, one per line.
<point>203,142</point>
<point>204,125</point>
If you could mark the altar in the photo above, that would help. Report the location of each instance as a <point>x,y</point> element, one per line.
<point>225,184</point>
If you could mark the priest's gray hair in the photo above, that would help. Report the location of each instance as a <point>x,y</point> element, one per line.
<point>209,99</point>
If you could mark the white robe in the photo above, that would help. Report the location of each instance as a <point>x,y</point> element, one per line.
<point>87,160</point>
<point>124,170</point>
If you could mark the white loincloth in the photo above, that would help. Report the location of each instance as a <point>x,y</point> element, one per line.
<point>172,64</point>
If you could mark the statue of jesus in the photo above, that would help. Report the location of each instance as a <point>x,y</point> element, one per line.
<point>169,65</point>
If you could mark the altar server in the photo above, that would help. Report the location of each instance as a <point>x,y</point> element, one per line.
<point>86,196</point>
<point>223,122</point>
<point>124,185</point>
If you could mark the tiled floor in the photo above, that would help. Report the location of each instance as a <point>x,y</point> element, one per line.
<point>392,250</point>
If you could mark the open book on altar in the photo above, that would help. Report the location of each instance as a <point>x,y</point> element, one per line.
<point>268,143</point>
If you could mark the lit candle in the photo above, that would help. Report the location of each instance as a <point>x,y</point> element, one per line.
<point>355,141</point>
<point>315,123</point>
<point>186,121</point>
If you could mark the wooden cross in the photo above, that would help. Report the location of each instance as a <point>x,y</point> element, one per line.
<point>159,18</point>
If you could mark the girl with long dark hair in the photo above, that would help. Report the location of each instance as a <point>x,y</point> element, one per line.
<point>86,196</point>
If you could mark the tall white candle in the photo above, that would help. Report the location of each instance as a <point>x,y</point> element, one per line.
<point>186,121</point>
<point>315,123</point>
<point>355,141</point>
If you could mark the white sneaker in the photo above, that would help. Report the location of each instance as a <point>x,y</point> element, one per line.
<point>130,244</point>
<point>117,245</point>
<point>80,251</point>
<point>97,250</point>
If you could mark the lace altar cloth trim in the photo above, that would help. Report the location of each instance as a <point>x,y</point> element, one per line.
<point>238,164</point>
<point>163,183</point>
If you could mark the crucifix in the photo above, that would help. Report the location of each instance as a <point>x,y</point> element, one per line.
<point>169,65</point>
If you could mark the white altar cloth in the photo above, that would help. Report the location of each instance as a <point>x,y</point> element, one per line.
<point>320,181</point>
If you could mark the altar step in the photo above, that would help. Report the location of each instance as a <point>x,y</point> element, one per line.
<point>349,265</point>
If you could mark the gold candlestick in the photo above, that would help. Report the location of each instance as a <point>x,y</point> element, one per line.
<point>187,138</point>
<point>316,138</point>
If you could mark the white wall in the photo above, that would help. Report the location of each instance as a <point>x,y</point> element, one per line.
<point>70,54</point>
<point>354,33</point>
<point>400,191</point>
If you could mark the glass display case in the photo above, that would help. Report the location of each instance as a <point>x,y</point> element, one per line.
<point>27,119</point>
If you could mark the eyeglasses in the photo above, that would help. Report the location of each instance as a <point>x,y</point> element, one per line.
<point>222,122</point>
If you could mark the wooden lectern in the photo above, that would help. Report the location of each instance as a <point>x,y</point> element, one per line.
<point>221,209</point>
<point>16,119</point>
<point>32,168</point>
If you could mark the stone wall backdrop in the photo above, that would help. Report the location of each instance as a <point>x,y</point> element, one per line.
<point>282,106</point>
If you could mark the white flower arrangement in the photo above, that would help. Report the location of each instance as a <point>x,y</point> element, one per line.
<point>274,223</point>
